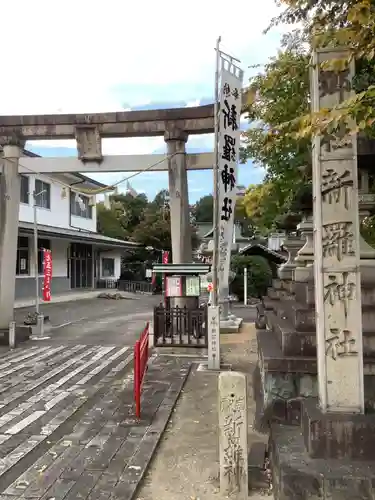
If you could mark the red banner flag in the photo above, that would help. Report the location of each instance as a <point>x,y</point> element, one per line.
<point>165,257</point>
<point>47,267</point>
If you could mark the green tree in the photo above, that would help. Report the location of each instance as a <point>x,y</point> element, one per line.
<point>109,224</point>
<point>154,230</point>
<point>278,95</point>
<point>129,209</point>
<point>161,200</point>
<point>344,23</point>
<point>135,218</point>
<point>259,276</point>
<point>203,209</point>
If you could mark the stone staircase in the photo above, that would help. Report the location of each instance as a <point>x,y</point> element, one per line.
<point>286,391</point>
<point>287,348</point>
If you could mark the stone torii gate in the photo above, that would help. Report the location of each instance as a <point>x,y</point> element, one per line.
<point>88,130</point>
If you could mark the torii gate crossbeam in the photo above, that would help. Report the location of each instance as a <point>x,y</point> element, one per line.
<point>111,163</point>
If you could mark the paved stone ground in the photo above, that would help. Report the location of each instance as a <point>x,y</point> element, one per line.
<point>186,465</point>
<point>97,321</point>
<point>67,427</point>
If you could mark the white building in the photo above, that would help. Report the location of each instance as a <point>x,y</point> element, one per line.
<point>67,226</point>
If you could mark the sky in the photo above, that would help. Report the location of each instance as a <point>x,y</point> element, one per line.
<point>93,56</point>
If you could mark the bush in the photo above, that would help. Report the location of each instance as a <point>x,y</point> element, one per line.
<point>259,275</point>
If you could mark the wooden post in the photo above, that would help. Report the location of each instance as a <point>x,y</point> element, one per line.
<point>233,434</point>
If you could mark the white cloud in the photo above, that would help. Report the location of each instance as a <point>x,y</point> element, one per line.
<point>192,104</point>
<point>74,52</point>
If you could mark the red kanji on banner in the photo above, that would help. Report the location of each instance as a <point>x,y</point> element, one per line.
<point>165,257</point>
<point>47,267</point>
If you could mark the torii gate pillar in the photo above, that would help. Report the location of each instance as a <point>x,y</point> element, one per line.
<point>10,186</point>
<point>179,199</point>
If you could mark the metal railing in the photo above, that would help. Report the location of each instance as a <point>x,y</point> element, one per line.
<point>180,326</point>
<point>135,286</point>
<point>124,285</point>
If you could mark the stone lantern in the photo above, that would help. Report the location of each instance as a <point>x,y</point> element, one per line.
<point>366,200</point>
<point>291,243</point>
<point>303,204</point>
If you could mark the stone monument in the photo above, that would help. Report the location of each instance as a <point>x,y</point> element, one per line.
<point>316,359</point>
<point>233,434</point>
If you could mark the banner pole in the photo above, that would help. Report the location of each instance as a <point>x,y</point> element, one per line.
<point>215,254</point>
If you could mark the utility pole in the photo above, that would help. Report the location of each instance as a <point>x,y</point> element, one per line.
<point>35,234</point>
<point>39,317</point>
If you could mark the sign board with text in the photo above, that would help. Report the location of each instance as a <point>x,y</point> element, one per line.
<point>213,323</point>
<point>173,286</point>
<point>192,286</point>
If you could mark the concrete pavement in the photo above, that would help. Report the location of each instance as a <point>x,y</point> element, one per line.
<point>96,321</point>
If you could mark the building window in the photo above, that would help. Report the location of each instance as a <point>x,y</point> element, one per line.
<point>23,259</point>
<point>108,268</point>
<point>80,205</point>
<point>42,243</point>
<point>25,189</point>
<point>42,194</point>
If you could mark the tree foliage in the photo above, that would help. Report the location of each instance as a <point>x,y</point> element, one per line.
<point>136,219</point>
<point>259,275</point>
<point>340,23</point>
<point>279,95</point>
<point>154,230</point>
<point>262,205</point>
<point>108,223</point>
<point>203,210</point>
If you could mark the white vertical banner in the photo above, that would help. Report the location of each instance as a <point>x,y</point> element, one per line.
<point>228,155</point>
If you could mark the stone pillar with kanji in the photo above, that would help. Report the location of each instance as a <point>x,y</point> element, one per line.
<point>336,246</point>
<point>316,367</point>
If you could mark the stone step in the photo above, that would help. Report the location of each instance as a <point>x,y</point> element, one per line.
<point>304,292</point>
<point>301,317</point>
<point>276,361</point>
<point>284,380</point>
<point>296,475</point>
<point>258,478</point>
<point>302,342</point>
<point>292,342</point>
<point>272,293</point>
<point>23,334</point>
